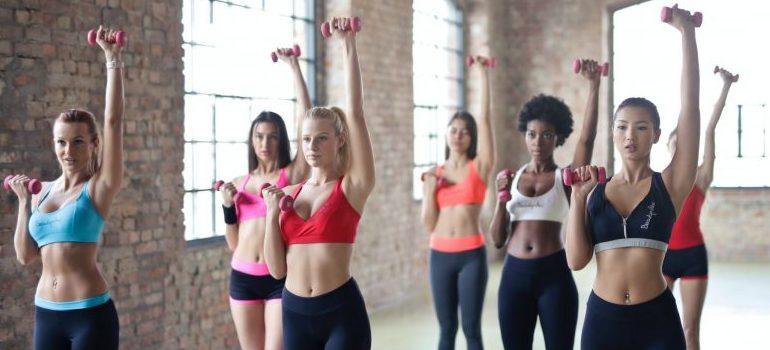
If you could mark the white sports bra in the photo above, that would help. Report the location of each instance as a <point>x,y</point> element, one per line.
<point>549,206</point>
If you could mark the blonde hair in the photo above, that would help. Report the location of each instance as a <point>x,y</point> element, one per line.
<point>337,116</point>
<point>86,117</point>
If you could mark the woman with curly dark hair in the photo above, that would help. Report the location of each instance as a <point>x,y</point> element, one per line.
<point>536,279</point>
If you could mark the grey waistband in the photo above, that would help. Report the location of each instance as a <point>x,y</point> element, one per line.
<point>631,243</point>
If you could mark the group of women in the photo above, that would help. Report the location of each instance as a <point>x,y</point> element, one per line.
<point>292,223</point>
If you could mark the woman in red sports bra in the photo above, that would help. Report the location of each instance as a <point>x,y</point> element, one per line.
<point>254,295</point>
<point>536,282</point>
<point>686,257</point>
<point>450,213</point>
<point>311,243</point>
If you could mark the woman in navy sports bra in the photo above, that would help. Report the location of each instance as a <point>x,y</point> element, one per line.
<point>255,296</point>
<point>62,224</point>
<point>536,280</point>
<point>627,221</point>
<point>311,242</point>
<point>450,213</point>
<point>686,258</point>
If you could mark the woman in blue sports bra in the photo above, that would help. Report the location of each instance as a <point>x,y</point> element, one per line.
<point>536,282</point>
<point>627,221</point>
<point>62,225</point>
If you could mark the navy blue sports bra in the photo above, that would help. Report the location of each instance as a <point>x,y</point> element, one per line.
<point>648,225</point>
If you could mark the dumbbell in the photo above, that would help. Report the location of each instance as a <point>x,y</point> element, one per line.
<point>119,38</point>
<point>218,184</point>
<point>735,77</point>
<point>666,14</point>
<point>295,51</point>
<point>570,177</point>
<point>604,68</point>
<point>440,180</point>
<point>505,195</point>
<point>491,62</point>
<point>33,186</point>
<point>285,203</point>
<point>354,24</point>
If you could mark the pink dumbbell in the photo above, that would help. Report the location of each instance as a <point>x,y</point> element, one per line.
<point>236,198</point>
<point>295,51</point>
<point>735,77</point>
<point>440,181</point>
<point>119,38</point>
<point>490,63</point>
<point>604,68</point>
<point>33,186</point>
<point>570,177</point>
<point>355,25</point>
<point>666,13</point>
<point>505,195</point>
<point>285,203</point>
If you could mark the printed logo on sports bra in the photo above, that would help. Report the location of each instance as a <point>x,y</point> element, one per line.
<point>650,214</point>
<point>528,204</point>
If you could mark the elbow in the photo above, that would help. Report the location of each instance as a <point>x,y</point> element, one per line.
<point>277,273</point>
<point>576,263</point>
<point>25,259</point>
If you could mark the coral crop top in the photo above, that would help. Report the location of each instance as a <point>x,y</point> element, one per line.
<point>469,191</point>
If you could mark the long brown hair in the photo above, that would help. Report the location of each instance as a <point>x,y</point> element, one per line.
<point>86,117</point>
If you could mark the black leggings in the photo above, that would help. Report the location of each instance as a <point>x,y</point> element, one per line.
<point>459,278</point>
<point>537,287</point>
<point>334,321</point>
<point>652,325</point>
<point>91,328</point>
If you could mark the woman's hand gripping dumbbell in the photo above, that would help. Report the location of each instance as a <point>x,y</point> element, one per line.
<point>504,181</point>
<point>667,15</point>
<point>342,24</point>
<point>230,194</point>
<point>583,174</point>
<point>110,36</point>
<point>32,186</point>
<point>489,62</point>
<point>292,52</point>
<point>590,66</point>
<point>726,75</point>
<point>274,195</point>
<point>440,180</point>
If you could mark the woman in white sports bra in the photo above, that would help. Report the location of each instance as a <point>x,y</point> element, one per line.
<point>536,280</point>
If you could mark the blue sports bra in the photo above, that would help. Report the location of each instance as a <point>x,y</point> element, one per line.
<point>648,225</point>
<point>77,221</point>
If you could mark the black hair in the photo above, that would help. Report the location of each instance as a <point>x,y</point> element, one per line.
<point>470,124</point>
<point>643,103</point>
<point>548,109</point>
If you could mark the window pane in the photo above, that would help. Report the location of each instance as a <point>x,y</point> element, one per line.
<point>198,115</point>
<point>233,119</point>
<point>187,210</point>
<point>203,165</point>
<point>203,214</point>
<point>231,160</point>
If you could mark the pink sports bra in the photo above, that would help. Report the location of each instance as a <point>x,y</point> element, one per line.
<point>252,206</point>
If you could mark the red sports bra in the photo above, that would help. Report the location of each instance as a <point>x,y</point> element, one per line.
<point>686,232</point>
<point>469,191</point>
<point>336,221</point>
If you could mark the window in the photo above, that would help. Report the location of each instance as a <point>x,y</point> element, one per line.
<point>647,62</point>
<point>229,79</point>
<point>438,80</point>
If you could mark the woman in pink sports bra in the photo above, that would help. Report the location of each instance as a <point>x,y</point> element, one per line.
<point>450,213</point>
<point>254,295</point>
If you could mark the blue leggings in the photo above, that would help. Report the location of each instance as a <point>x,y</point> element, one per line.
<point>334,321</point>
<point>459,279</point>
<point>537,287</point>
<point>90,328</point>
<point>652,325</point>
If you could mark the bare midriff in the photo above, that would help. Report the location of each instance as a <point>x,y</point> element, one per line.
<point>70,272</point>
<point>317,268</point>
<point>628,276</point>
<point>532,239</point>
<point>458,221</point>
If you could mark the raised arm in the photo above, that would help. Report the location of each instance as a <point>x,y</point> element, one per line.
<point>706,170</point>
<point>109,179</point>
<point>679,176</point>
<point>359,180</point>
<point>486,155</point>
<point>584,149</point>
<point>299,169</point>
<point>26,248</point>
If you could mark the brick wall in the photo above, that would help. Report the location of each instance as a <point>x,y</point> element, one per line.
<point>170,295</point>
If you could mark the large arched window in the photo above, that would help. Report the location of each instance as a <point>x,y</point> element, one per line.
<point>229,79</point>
<point>438,79</point>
